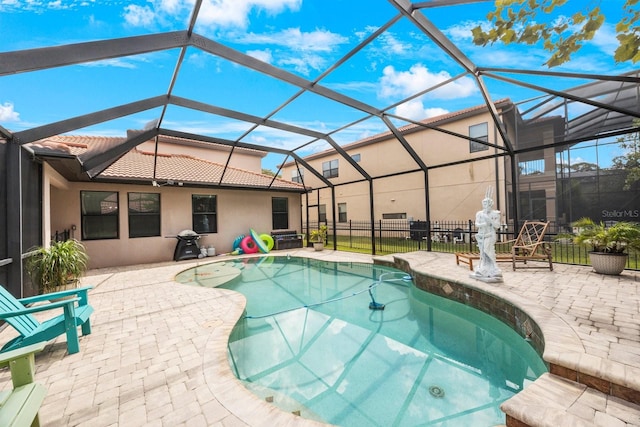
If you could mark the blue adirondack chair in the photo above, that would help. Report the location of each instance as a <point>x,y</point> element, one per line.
<point>76,312</point>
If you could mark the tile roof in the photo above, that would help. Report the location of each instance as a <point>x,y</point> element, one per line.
<point>138,165</point>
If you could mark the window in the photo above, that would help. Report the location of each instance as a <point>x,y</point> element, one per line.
<point>356,158</point>
<point>322,213</point>
<point>204,214</point>
<point>99,215</point>
<point>342,212</point>
<point>481,132</point>
<point>280,213</point>
<point>297,175</point>
<point>394,215</point>
<point>144,214</point>
<point>330,169</point>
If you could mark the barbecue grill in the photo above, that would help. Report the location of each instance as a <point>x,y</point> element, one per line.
<point>187,246</point>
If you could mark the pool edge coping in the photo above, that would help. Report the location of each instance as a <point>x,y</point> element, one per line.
<point>562,350</point>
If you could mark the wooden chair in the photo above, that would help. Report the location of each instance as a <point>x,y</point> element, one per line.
<point>76,312</point>
<point>530,245</point>
<point>19,406</point>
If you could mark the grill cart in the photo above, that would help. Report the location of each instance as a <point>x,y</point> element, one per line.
<point>187,246</point>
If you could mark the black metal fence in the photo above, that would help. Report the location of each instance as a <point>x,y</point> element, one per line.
<point>397,236</point>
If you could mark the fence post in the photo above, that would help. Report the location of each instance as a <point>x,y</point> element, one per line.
<point>469,231</point>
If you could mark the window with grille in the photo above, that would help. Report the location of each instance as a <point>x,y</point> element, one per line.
<point>481,132</point>
<point>297,175</point>
<point>330,169</point>
<point>144,214</point>
<point>342,212</point>
<point>322,213</point>
<point>99,215</point>
<point>280,213</point>
<point>204,211</point>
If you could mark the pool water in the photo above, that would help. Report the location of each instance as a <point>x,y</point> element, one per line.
<point>326,355</point>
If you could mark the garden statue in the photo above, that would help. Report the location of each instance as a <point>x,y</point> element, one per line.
<point>487,222</point>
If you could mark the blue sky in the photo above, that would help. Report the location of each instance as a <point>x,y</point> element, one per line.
<point>300,36</point>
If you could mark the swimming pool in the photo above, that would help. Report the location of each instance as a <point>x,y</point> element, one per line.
<point>326,355</point>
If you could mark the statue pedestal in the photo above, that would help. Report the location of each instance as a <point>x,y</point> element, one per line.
<point>486,279</point>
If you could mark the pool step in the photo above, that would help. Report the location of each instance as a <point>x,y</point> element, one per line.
<point>553,401</point>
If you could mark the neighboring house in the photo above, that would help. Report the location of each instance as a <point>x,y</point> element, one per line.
<point>459,170</point>
<point>131,212</point>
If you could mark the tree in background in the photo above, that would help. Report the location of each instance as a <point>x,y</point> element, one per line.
<point>514,21</point>
<point>630,161</point>
<point>270,173</point>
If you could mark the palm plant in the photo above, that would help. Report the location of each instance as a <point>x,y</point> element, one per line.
<point>616,238</point>
<point>319,235</point>
<point>60,264</point>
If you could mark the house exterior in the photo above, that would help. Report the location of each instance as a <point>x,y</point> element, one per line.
<point>130,214</point>
<point>459,170</point>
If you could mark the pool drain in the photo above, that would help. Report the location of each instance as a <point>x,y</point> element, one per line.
<point>436,391</point>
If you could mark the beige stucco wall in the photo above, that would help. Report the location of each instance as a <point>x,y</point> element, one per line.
<point>455,192</point>
<point>238,210</point>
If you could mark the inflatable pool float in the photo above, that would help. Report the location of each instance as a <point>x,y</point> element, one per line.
<point>268,240</point>
<point>249,245</point>
<point>237,240</point>
<point>262,246</point>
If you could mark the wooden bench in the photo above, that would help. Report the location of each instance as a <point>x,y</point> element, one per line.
<point>19,406</point>
<point>468,257</point>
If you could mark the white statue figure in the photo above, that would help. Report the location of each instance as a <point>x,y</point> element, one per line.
<point>487,222</point>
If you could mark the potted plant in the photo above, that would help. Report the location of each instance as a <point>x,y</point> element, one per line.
<point>609,244</point>
<point>318,237</point>
<point>57,267</point>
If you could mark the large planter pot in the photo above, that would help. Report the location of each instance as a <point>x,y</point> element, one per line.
<point>318,246</point>
<point>607,263</point>
<point>71,284</point>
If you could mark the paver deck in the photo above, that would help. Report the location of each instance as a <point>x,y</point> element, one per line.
<point>157,353</point>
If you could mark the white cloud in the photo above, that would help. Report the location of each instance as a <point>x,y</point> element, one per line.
<point>393,46</point>
<point>139,16</point>
<point>302,50</point>
<point>199,59</point>
<point>605,39</point>
<point>235,13</point>
<point>293,38</point>
<point>462,31</point>
<point>262,55</point>
<point>402,84</point>
<point>172,6</point>
<point>113,62</point>
<point>56,5</point>
<point>355,86</point>
<point>415,110</point>
<point>369,29</point>
<point>8,114</point>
